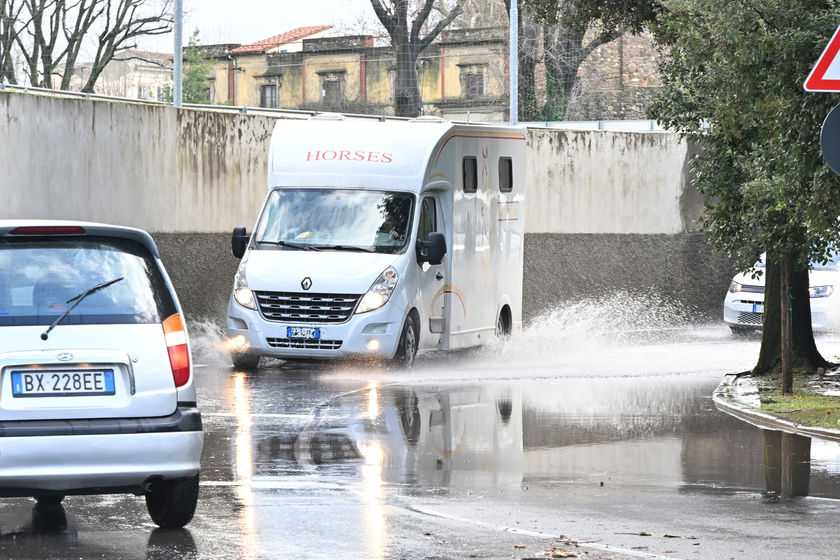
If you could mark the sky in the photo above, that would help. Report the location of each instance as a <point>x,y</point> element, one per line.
<point>248,21</point>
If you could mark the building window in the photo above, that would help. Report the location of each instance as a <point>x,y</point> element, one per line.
<point>142,92</point>
<point>332,87</point>
<point>472,81</point>
<point>268,96</point>
<point>331,90</point>
<point>161,93</point>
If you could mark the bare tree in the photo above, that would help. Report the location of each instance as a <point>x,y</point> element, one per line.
<point>404,20</point>
<point>54,32</point>
<point>10,26</point>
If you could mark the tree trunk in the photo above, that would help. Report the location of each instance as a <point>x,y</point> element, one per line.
<point>407,95</point>
<point>769,357</point>
<point>804,353</point>
<point>528,53</point>
<point>785,316</point>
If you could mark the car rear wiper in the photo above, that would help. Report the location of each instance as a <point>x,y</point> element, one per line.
<point>300,246</point>
<point>77,300</point>
<point>348,248</point>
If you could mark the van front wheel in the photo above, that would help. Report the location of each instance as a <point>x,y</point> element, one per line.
<point>245,361</point>
<point>407,347</point>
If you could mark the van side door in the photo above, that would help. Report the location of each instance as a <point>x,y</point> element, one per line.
<point>432,277</point>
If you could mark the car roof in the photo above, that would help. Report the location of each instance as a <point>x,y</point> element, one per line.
<point>90,228</point>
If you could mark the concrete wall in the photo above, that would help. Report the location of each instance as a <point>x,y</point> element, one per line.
<point>146,166</point>
<point>605,211</point>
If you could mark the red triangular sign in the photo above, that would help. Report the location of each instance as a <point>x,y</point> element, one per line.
<point>826,73</point>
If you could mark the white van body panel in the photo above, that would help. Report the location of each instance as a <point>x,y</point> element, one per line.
<point>458,303</point>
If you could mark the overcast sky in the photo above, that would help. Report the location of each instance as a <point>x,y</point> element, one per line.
<point>248,21</point>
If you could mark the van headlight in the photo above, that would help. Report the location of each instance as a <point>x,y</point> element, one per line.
<point>380,291</point>
<point>735,287</point>
<point>241,292</point>
<point>820,291</point>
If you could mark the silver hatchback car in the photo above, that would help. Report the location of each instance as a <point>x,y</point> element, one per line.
<point>97,394</point>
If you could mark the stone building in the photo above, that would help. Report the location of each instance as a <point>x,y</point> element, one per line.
<point>132,73</point>
<point>463,75</point>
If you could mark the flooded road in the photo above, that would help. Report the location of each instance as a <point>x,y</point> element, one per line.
<point>572,438</point>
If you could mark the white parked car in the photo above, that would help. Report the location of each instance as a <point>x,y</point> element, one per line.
<point>97,394</point>
<point>743,307</point>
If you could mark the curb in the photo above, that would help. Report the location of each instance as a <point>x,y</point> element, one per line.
<point>737,395</point>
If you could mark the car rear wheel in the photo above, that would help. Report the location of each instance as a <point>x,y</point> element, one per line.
<point>407,347</point>
<point>49,500</point>
<point>171,503</point>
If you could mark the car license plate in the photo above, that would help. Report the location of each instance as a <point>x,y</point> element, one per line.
<point>73,383</point>
<point>303,332</point>
<point>758,308</point>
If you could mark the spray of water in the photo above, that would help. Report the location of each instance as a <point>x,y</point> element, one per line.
<point>570,333</point>
<point>208,342</point>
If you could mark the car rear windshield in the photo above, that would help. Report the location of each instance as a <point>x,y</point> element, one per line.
<point>39,277</point>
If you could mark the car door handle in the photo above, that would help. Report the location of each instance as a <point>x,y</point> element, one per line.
<point>439,275</point>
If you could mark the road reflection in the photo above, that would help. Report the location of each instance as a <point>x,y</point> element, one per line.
<point>525,433</point>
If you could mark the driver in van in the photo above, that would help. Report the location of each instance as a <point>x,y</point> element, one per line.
<point>389,226</point>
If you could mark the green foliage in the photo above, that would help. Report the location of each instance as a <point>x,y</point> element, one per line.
<point>555,101</point>
<point>196,70</point>
<point>733,82</point>
<point>609,15</point>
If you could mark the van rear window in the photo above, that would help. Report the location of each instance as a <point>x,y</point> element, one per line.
<point>40,276</point>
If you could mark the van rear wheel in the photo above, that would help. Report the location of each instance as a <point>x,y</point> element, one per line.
<point>503,326</point>
<point>407,347</point>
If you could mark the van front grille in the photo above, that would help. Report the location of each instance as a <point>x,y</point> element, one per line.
<point>304,343</point>
<point>291,307</point>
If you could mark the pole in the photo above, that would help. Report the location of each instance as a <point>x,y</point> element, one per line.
<point>179,53</point>
<point>514,62</point>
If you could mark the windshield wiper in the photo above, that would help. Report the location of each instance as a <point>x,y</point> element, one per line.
<point>348,248</point>
<point>78,299</point>
<point>300,246</point>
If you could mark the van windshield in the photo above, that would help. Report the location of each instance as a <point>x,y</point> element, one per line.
<point>39,276</point>
<point>336,219</point>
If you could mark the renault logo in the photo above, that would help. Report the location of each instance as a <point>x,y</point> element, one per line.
<point>306,284</point>
<point>65,356</point>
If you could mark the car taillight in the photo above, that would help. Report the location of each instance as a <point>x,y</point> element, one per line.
<point>179,354</point>
<point>48,230</point>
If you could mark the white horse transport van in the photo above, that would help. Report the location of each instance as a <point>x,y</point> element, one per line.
<point>381,239</point>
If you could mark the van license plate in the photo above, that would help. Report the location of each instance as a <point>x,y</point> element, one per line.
<point>303,332</point>
<point>63,383</point>
<point>758,309</point>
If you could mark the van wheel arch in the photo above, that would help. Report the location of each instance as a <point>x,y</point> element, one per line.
<point>409,340</point>
<point>504,323</point>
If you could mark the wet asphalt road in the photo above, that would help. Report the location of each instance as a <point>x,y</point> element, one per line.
<point>604,443</point>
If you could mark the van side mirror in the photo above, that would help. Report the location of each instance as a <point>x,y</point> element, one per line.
<point>239,241</point>
<point>433,250</point>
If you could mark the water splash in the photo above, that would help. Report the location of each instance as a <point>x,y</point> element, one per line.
<point>208,343</point>
<point>595,334</point>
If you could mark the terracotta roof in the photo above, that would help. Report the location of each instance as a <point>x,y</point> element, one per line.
<point>282,39</point>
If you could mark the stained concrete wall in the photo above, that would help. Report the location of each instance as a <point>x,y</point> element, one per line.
<point>146,166</point>
<point>605,211</point>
